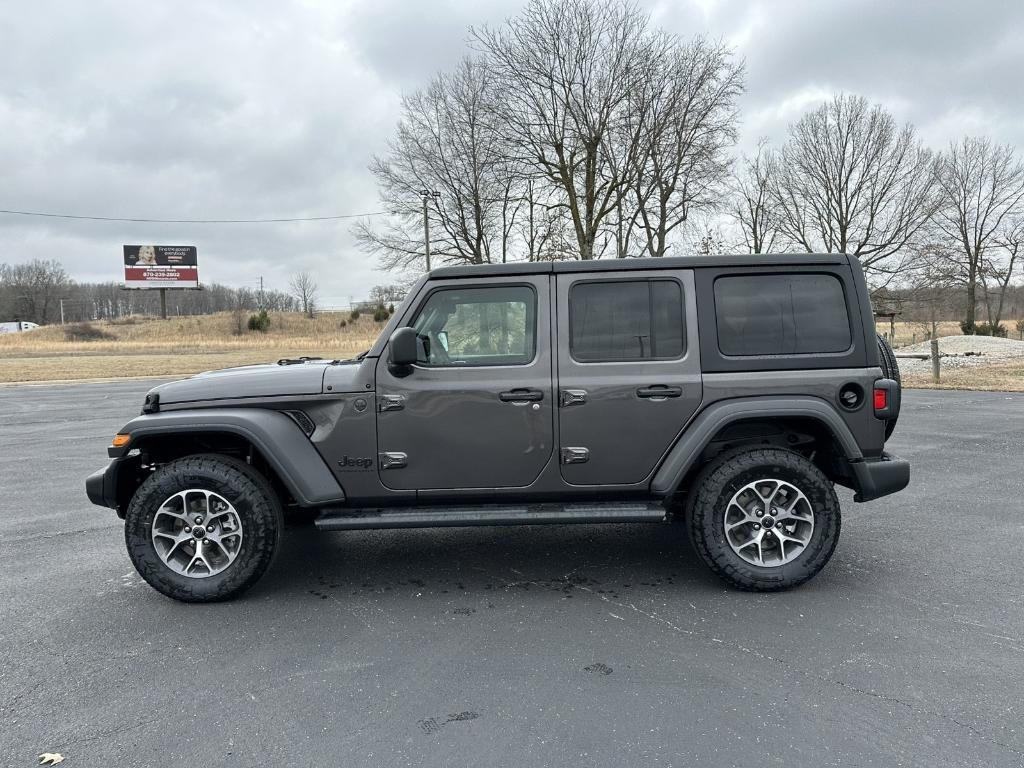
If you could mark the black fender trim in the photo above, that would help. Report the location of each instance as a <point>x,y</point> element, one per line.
<point>712,419</point>
<point>278,439</point>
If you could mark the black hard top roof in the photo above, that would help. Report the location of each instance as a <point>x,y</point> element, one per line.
<point>668,262</point>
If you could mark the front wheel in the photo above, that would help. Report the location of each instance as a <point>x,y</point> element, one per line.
<point>763,519</point>
<point>203,528</point>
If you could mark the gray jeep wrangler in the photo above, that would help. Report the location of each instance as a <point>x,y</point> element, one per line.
<point>728,393</point>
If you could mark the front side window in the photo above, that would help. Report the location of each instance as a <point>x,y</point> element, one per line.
<point>477,326</point>
<point>778,314</point>
<point>619,320</point>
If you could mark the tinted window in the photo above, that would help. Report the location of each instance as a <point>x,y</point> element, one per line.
<point>620,320</point>
<point>477,326</point>
<point>781,315</point>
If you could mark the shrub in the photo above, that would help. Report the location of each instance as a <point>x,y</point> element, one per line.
<point>984,329</point>
<point>86,332</point>
<point>353,315</point>
<point>380,315</point>
<point>259,322</point>
<point>342,324</point>
<point>1020,327</point>
<point>238,321</point>
<point>391,309</point>
<point>968,329</point>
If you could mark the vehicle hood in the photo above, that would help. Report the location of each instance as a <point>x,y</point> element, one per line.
<point>272,380</point>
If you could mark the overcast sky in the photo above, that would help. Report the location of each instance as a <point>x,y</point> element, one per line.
<point>266,109</point>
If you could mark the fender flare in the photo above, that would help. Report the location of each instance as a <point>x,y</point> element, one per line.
<point>278,439</point>
<point>711,420</point>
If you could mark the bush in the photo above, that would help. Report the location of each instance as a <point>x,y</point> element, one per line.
<point>391,309</point>
<point>353,315</point>
<point>1020,328</point>
<point>237,320</point>
<point>967,329</point>
<point>984,329</point>
<point>260,322</point>
<point>86,332</point>
<point>380,315</point>
<point>342,324</point>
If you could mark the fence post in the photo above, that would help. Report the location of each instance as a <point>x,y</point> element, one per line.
<point>935,360</point>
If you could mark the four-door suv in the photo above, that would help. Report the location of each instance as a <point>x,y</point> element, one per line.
<point>730,393</point>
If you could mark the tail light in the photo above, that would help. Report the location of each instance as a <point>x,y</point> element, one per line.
<point>881,399</point>
<point>885,397</point>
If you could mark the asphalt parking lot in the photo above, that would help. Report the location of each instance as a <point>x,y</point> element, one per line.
<point>547,646</point>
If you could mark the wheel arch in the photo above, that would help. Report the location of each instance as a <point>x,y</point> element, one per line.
<point>268,440</point>
<point>796,423</point>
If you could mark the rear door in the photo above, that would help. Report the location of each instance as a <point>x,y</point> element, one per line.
<point>628,371</point>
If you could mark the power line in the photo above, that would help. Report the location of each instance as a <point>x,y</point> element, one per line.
<point>192,221</point>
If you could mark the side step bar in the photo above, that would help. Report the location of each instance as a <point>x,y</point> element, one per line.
<point>529,514</point>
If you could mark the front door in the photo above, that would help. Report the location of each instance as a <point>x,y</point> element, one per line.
<point>476,410</point>
<point>628,371</point>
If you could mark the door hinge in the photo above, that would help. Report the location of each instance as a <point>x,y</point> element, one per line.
<point>392,460</point>
<point>575,455</point>
<point>572,397</point>
<point>390,403</point>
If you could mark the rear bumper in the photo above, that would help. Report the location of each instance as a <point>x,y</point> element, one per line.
<point>880,477</point>
<point>101,485</point>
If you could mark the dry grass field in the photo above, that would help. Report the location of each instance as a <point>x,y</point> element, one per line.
<point>147,346</point>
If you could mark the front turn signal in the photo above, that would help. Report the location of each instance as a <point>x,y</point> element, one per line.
<point>120,441</point>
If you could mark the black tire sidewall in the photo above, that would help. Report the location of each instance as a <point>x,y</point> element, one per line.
<point>891,370</point>
<point>716,487</point>
<point>253,500</point>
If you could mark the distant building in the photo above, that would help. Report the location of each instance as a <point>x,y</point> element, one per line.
<point>16,326</point>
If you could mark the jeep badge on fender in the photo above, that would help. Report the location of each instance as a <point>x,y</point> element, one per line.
<point>349,463</point>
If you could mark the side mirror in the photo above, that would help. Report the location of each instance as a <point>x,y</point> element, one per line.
<point>402,347</point>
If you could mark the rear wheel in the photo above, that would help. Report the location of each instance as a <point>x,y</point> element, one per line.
<point>763,519</point>
<point>203,528</point>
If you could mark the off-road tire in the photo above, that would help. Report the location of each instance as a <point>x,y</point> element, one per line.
<point>246,489</point>
<point>724,476</point>
<point>891,370</point>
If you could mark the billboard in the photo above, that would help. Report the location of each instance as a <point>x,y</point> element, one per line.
<point>161,266</point>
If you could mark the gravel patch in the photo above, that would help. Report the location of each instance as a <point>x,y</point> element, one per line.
<point>961,352</point>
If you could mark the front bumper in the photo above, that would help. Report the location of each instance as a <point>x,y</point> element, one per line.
<point>101,486</point>
<point>880,477</point>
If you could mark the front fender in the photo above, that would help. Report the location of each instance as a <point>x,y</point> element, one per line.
<point>278,439</point>
<point>712,419</point>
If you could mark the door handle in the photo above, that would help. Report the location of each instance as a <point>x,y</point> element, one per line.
<point>659,392</point>
<point>521,396</point>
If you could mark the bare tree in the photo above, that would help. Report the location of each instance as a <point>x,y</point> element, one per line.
<point>689,117</point>
<point>850,180</point>
<point>983,191</point>
<point>32,291</point>
<point>753,206</point>
<point>447,143</point>
<point>565,70</point>
<point>304,288</point>
<point>999,267</point>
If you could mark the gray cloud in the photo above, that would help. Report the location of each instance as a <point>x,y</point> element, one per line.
<point>265,109</point>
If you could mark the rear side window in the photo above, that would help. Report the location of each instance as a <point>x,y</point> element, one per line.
<point>781,315</point>
<point>626,320</point>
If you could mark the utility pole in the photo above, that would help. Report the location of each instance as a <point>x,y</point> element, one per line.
<point>426,194</point>
<point>262,301</point>
<point>62,310</point>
